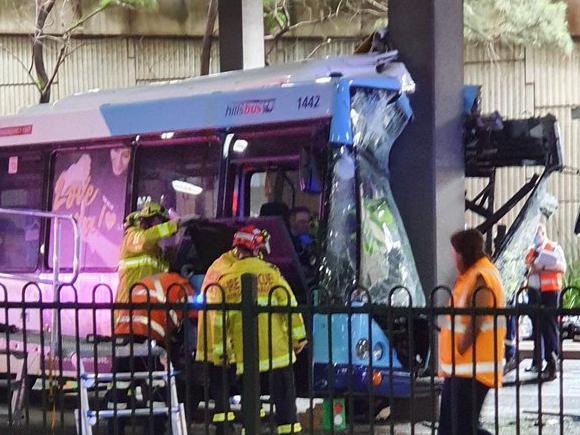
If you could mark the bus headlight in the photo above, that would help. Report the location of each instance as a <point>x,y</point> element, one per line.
<point>378,351</point>
<point>362,348</point>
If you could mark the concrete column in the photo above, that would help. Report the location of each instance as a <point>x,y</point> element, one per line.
<point>427,162</point>
<point>241,34</point>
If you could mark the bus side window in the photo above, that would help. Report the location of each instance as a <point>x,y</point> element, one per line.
<point>22,178</point>
<point>265,196</point>
<point>91,185</point>
<point>184,177</point>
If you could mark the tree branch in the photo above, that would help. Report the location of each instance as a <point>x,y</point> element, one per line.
<point>378,5</point>
<point>61,57</point>
<point>86,18</point>
<point>208,37</point>
<point>22,64</point>
<point>319,46</point>
<point>43,9</point>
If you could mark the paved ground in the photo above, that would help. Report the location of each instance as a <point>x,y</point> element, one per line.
<point>528,394</point>
<point>507,407</point>
<point>528,405</point>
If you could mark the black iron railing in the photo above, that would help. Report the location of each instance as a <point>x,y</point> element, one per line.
<point>93,380</point>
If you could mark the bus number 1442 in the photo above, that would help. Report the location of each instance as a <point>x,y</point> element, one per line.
<point>309,102</point>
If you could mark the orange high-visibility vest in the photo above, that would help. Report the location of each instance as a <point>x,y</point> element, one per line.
<point>156,324</point>
<point>550,281</point>
<point>489,342</point>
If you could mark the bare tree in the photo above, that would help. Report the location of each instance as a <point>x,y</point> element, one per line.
<point>44,79</point>
<point>283,17</point>
<point>43,82</point>
<point>208,37</point>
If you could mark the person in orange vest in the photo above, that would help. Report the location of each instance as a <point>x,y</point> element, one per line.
<point>143,324</point>
<point>547,265</point>
<point>471,351</point>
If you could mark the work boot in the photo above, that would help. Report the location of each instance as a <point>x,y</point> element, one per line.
<point>551,371</point>
<point>225,429</point>
<point>533,369</point>
<point>510,366</point>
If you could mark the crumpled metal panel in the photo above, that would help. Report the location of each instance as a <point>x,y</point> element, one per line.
<point>375,245</point>
<point>510,260</point>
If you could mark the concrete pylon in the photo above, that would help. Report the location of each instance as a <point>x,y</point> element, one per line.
<point>241,34</point>
<point>427,162</point>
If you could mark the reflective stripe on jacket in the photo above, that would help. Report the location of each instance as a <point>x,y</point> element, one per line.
<point>212,296</point>
<point>141,257</point>
<point>284,335</point>
<point>489,341</point>
<point>548,280</point>
<point>157,324</point>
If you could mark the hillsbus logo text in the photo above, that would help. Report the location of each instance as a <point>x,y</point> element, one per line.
<point>250,108</point>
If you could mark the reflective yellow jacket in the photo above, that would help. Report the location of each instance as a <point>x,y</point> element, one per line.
<point>141,256</point>
<point>206,318</point>
<point>283,335</point>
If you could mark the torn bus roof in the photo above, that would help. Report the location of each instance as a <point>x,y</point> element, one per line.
<point>284,93</point>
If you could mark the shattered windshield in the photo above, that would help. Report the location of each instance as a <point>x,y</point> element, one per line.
<point>383,255</point>
<point>510,257</point>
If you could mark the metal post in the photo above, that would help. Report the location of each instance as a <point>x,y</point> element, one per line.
<point>428,161</point>
<point>55,285</point>
<point>251,382</point>
<point>241,34</point>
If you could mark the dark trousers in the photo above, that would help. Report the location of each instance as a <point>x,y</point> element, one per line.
<point>124,395</point>
<point>549,326</point>
<point>544,327</point>
<point>220,384</point>
<point>538,353</point>
<point>459,414</point>
<point>282,393</point>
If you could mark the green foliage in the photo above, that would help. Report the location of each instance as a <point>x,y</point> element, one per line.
<point>528,23</point>
<point>572,279</point>
<point>143,4</point>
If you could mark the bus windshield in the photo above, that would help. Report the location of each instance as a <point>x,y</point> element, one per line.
<point>366,245</point>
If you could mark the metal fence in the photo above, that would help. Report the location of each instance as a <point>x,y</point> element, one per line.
<point>128,383</point>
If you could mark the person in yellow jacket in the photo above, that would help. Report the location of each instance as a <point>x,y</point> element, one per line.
<point>212,295</point>
<point>471,351</point>
<point>205,341</point>
<point>141,256</point>
<point>279,338</point>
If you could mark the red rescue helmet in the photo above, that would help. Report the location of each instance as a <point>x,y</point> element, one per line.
<point>253,240</point>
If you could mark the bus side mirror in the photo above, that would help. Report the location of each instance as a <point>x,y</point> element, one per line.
<point>577,227</point>
<point>309,173</point>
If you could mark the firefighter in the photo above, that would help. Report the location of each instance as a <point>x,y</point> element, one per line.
<point>204,354</point>
<point>249,245</point>
<point>140,254</point>
<point>148,324</point>
<point>547,263</point>
<point>212,295</point>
